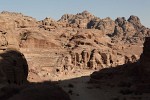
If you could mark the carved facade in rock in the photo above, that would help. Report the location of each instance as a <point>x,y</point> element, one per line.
<point>85,57</point>
<point>97,59</point>
<point>89,38</point>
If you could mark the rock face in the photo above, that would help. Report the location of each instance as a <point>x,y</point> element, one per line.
<point>139,73</point>
<point>8,40</point>
<point>75,42</point>
<point>135,21</point>
<point>107,25</point>
<point>80,41</point>
<point>79,20</point>
<point>19,21</point>
<point>13,68</point>
<point>86,20</point>
<point>144,67</point>
<point>49,24</point>
<point>130,31</point>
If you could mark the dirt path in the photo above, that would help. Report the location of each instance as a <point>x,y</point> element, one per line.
<point>77,86</point>
<point>80,89</point>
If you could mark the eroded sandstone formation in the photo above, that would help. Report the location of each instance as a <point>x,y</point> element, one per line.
<point>130,31</point>
<point>134,76</point>
<point>13,68</point>
<point>79,20</point>
<point>81,41</point>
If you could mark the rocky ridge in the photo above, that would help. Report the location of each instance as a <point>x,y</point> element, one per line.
<point>81,41</point>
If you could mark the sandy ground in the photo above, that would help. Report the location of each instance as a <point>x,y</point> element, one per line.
<point>78,87</point>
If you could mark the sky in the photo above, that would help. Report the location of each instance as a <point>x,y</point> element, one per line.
<point>40,9</point>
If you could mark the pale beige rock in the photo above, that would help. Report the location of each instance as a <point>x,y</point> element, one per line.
<point>81,41</point>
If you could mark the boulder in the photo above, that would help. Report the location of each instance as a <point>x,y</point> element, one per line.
<point>14,67</point>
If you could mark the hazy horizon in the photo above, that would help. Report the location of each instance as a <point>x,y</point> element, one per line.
<point>100,8</point>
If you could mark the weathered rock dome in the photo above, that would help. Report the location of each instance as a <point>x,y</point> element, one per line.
<point>13,67</point>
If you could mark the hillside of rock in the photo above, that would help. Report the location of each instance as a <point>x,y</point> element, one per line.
<point>132,77</point>
<point>81,41</point>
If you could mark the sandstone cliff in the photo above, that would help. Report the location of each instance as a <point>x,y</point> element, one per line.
<point>81,41</point>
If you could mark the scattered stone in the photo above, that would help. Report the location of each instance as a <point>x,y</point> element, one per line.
<point>70,85</point>
<point>70,92</point>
